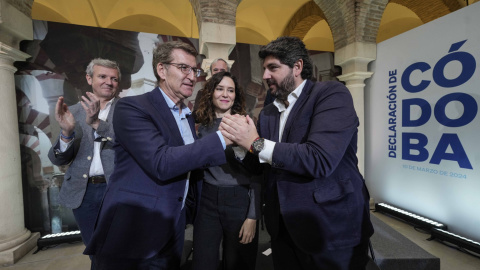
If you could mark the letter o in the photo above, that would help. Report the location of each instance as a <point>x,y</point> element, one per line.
<point>470,109</point>
<point>468,69</point>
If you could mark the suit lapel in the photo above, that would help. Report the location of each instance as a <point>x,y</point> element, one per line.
<point>272,122</point>
<point>86,129</point>
<point>159,103</point>
<point>191,121</point>
<point>307,89</point>
<point>109,119</point>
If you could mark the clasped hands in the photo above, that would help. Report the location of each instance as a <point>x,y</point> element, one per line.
<point>239,130</point>
<point>91,105</point>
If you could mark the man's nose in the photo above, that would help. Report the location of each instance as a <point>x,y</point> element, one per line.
<point>192,76</point>
<point>266,74</point>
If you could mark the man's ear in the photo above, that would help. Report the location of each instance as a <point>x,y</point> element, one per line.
<point>89,79</point>
<point>161,71</point>
<point>298,67</point>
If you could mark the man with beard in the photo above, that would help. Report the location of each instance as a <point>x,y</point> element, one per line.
<point>316,201</point>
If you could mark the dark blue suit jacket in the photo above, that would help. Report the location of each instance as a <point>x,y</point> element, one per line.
<point>321,193</point>
<point>144,196</point>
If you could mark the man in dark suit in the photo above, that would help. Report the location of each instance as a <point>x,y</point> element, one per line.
<point>85,142</point>
<point>316,201</point>
<point>141,224</point>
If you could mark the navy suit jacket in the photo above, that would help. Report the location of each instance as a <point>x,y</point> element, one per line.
<point>321,193</point>
<point>143,200</point>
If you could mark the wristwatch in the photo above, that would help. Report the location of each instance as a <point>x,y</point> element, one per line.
<point>257,146</point>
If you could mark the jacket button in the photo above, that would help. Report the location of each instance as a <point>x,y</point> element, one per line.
<point>108,138</point>
<point>180,199</point>
<point>85,176</point>
<point>89,157</point>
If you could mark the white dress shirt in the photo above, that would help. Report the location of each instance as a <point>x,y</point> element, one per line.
<point>265,156</point>
<point>96,167</point>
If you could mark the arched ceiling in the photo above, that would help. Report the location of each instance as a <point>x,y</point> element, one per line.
<point>396,19</point>
<point>257,21</point>
<point>164,17</point>
<point>269,19</point>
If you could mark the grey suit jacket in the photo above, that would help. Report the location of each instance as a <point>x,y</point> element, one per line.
<point>79,155</point>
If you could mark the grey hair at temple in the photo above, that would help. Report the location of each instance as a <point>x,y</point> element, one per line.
<point>104,63</point>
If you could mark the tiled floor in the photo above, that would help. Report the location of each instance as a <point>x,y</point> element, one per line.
<point>69,256</point>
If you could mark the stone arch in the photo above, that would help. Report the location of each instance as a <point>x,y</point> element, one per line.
<point>368,18</point>
<point>352,21</point>
<point>340,20</point>
<point>305,17</point>
<point>430,10</point>
<point>215,11</point>
<point>24,6</point>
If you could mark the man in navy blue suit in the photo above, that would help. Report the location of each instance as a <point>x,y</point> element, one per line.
<point>316,201</point>
<point>141,223</point>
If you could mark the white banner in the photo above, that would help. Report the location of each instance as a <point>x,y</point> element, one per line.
<point>423,125</point>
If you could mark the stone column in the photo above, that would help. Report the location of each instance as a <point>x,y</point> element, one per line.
<point>354,59</point>
<point>15,239</point>
<point>216,41</point>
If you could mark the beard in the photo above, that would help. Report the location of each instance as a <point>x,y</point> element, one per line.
<point>286,86</point>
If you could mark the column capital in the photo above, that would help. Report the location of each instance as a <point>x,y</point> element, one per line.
<point>355,56</point>
<point>354,59</point>
<point>15,25</point>
<point>355,79</point>
<point>14,54</point>
<point>217,40</point>
<point>8,55</point>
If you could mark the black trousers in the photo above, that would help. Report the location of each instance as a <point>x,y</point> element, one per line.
<point>221,214</point>
<point>286,255</point>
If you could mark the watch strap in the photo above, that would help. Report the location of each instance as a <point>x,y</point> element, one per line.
<point>251,146</point>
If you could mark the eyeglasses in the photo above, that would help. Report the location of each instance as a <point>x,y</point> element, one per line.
<point>186,69</point>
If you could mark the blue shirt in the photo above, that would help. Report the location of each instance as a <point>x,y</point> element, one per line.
<point>185,131</point>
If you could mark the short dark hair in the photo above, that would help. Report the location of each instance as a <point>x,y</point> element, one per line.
<point>205,114</point>
<point>162,53</point>
<point>289,50</point>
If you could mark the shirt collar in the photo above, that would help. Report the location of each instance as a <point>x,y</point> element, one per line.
<point>173,107</point>
<point>108,104</point>
<point>292,97</point>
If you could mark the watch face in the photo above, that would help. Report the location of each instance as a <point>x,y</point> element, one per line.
<point>258,145</point>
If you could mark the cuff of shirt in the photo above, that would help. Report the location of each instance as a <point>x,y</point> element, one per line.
<point>221,139</point>
<point>240,152</point>
<point>265,156</point>
<point>64,145</point>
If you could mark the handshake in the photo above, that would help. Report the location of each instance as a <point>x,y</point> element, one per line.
<point>238,130</point>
